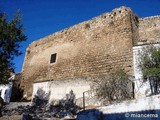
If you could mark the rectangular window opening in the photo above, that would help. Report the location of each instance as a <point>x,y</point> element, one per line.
<point>53,58</point>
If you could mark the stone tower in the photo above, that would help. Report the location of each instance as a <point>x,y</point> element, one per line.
<point>92,48</point>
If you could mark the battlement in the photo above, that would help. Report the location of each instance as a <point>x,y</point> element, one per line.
<point>106,19</point>
<point>150,17</point>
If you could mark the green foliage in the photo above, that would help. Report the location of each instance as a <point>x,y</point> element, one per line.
<point>87,25</point>
<point>114,87</point>
<point>150,63</point>
<point>11,35</point>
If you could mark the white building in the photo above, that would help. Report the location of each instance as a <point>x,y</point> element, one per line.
<point>6,90</point>
<point>142,89</point>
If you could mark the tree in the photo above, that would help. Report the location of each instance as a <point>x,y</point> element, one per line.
<point>150,67</point>
<point>114,87</point>
<point>11,35</point>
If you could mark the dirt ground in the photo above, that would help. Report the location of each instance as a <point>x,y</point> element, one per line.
<point>19,117</point>
<point>14,117</point>
<point>11,106</point>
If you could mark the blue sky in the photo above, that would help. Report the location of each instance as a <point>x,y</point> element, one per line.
<point>44,17</point>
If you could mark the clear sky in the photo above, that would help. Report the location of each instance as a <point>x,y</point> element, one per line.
<point>44,17</point>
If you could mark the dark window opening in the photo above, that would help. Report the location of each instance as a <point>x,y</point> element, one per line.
<point>53,58</point>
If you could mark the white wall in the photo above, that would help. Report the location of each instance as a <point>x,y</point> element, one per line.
<point>58,89</point>
<point>6,91</point>
<point>142,89</point>
<point>148,103</point>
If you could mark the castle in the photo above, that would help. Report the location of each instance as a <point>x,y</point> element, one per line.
<point>64,60</point>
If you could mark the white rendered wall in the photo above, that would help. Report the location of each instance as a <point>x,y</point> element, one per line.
<point>6,91</point>
<point>147,103</point>
<point>142,89</point>
<point>59,89</point>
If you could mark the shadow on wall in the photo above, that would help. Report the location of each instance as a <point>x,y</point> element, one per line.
<point>17,93</point>
<point>41,98</point>
<point>93,114</point>
<point>154,82</point>
<point>58,108</point>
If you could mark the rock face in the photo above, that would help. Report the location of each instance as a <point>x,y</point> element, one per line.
<point>96,47</point>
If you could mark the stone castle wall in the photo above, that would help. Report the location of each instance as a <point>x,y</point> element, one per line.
<point>99,46</point>
<point>149,30</point>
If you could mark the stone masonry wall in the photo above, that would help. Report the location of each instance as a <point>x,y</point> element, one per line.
<point>149,30</point>
<point>95,47</point>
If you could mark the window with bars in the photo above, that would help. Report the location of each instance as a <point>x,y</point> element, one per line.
<point>53,58</point>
